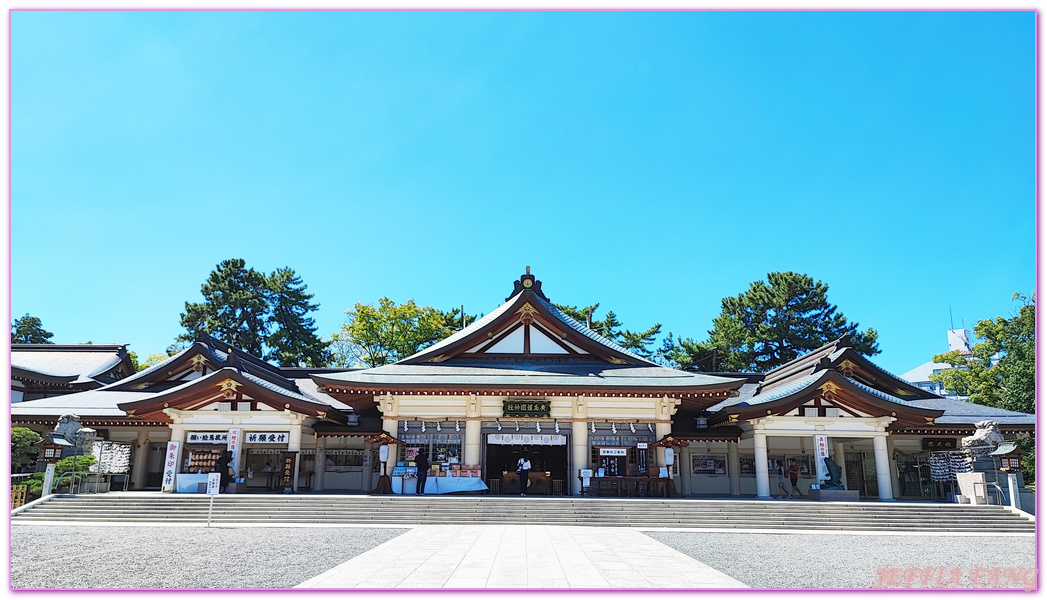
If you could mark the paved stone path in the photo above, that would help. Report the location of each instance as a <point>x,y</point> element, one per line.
<point>522,556</point>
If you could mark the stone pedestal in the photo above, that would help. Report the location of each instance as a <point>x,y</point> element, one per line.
<point>833,495</point>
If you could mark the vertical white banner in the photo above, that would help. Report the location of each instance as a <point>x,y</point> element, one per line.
<point>49,478</point>
<point>821,452</point>
<point>233,445</point>
<point>170,467</point>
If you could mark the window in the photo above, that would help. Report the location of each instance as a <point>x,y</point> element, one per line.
<point>810,411</point>
<point>832,412</point>
<point>442,447</point>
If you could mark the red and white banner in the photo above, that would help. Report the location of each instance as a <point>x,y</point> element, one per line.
<point>170,467</point>
<point>233,446</point>
<point>821,452</point>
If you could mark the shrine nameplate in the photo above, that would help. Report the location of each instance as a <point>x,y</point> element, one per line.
<point>518,407</point>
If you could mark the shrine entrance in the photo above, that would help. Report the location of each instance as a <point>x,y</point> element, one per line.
<point>548,468</point>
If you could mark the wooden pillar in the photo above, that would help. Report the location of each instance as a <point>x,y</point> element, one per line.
<point>320,464</point>
<point>389,426</point>
<point>473,437</point>
<point>579,444</point>
<point>763,490</point>
<point>579,454</point>
<point>883,468</point>
<point>294,444</point>
<point>895,485</point>
<point>366,483</point>
<point>841,459</point>
<point>140,472</point>
<point>734,467</point>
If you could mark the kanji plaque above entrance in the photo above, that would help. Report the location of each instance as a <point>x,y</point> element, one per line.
<point>525,407</point>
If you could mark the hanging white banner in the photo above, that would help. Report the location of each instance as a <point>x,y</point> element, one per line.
<point>233,445</point>
<point>170,467</point>
<point>821,452</point>
<point>516,439</point>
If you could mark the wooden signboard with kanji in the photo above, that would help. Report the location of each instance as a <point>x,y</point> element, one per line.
<point>287,473</point>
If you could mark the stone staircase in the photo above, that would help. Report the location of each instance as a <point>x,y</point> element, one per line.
<point>158,508</point>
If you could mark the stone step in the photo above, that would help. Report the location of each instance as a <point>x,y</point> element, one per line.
<point>740,525</point>
<point>333,510</point>
<point>522,511</point>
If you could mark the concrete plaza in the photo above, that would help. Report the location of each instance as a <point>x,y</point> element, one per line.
<point>522,556</point>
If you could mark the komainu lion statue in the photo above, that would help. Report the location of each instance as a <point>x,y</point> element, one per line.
<point>68,425</point>
<point>987,435</point>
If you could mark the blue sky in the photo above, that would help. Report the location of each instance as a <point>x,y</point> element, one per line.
<point>652,162</point>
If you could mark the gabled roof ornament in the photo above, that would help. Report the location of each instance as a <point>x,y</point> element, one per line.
<point>528,282</point>
<point>824,364</point>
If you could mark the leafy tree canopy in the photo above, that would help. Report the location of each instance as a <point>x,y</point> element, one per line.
<point>264,315</point>
<point>1009,382</point>
<point>25,447</point>
<point>777,320</point>
<point>29,330</point>
<point>383,334</point>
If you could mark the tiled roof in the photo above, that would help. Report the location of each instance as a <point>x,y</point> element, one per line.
<point>879,394</point>
<point>81,364</point>
<point>93,403</point>
<point>512,372</point>
<point>960,412</point>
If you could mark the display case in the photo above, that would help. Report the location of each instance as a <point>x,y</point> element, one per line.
<point>201,460</point>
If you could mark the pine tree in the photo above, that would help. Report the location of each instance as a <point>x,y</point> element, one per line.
<point>776,321</point>
<point>30,330</point>
<point>293,339</point>
<point>235,307</point>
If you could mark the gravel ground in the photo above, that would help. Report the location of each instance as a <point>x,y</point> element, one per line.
<point>182,557</point>
<point>849,561</point>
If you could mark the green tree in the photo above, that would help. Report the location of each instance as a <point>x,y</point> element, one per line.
<point>234,309</point>
<point>264,315</point>
<point>375,336</point>
<point>71,464</point>
<point>134,361</point>
<point>688,354</point>
<point>776,321</point>
<point>453,319</point>
<point>1010,381</point>
<point>152,359</point>
<point>29,330</point>
<point>293,340</point>
<point>25,447</point>
<point>610,327</point>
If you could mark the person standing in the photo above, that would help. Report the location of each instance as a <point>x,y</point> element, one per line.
<point>221,466</point>
<point>782,480</point>
<point>523,468</point>
<point>421,460</point>
<point>794,475</point>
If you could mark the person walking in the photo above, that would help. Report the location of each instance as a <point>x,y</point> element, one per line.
<point>421,460</point>
<point>794,475</point>
<point>782,481</point>
<point>523,468</point>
